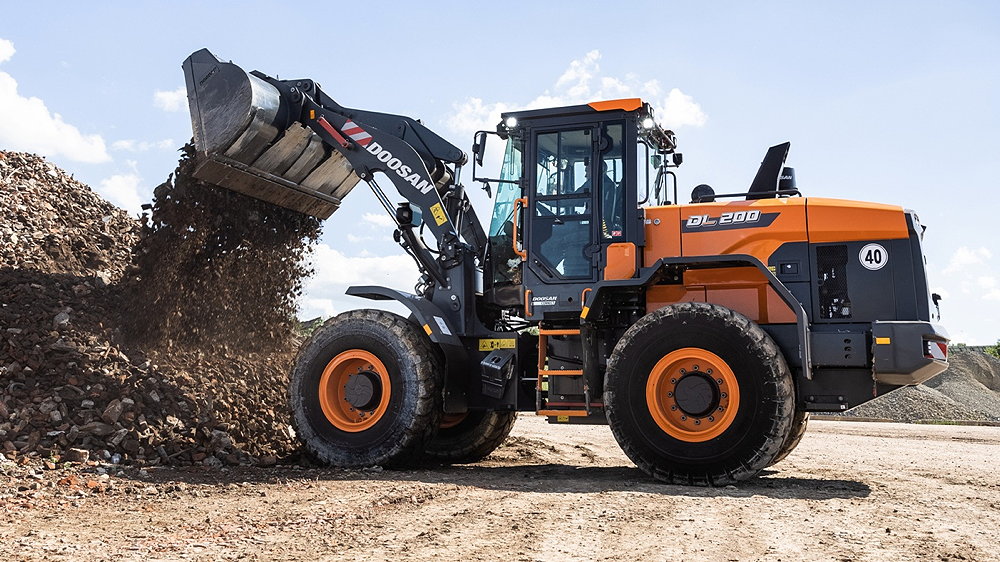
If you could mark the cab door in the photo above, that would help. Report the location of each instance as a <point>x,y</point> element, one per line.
<point>561,204</point>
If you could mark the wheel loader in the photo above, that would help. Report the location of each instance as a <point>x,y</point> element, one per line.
<point>703,332</point>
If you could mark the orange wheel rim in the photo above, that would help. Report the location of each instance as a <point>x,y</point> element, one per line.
<point>354,390</point>
<point>451,420</point>
<point>692,394</point>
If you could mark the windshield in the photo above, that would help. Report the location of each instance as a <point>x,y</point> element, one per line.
<point>505,262</point>
<point>508,189</point>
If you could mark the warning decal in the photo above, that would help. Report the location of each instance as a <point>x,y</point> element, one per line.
<point>489,344</point>
<point>438,212</point>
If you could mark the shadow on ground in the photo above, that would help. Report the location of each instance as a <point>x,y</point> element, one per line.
<point>536,478</point>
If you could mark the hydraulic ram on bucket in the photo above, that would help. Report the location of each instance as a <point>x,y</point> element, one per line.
<point>249,139</point>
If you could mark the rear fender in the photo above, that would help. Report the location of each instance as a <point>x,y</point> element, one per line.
<point>663,266</point>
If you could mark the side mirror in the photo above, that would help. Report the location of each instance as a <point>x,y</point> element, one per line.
<point>479,147</point>
<point>656,160</point>
<point>678,158</point>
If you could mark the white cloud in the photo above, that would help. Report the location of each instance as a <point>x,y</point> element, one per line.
<point>170,100</point>
<point>965,256</point>
<point>989,287</point>
<point>333,267</point>
<point>124,189</point>
<point>313,307</point>
<point>680,109</point>
<point>582,82</point>
<point>335,272</point>
<point>6,50</point>
<point>379,220</point>
<point>131,145</point>
<point>27,124</point>
<point>472,115</point>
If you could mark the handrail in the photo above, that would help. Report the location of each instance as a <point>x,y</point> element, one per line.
<point>523,203</point>
<point>763,194</point>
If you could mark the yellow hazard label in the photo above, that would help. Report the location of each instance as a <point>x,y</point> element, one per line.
<point>489,344</point>
<point>438,212</point>
<point>883,341</point>
<point>427,329</point>
<point>585,312</point>
<point>562,418</point>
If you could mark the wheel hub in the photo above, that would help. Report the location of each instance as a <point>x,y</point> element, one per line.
<point>696,394</point>
<point>692,394</point>
<point>363,390</point>
<point>354,390</point>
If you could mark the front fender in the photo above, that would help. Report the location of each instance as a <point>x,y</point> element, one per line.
<point>428,315</point>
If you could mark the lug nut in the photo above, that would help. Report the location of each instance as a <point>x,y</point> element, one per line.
<point>669,395</point>
<point>724,395</point>
<point>683,371</point>
<point>684,418</point>
<point>673,381</point>
<point>709,371</point>
<point>721,409</point>
<point>673,407</point>
<point>697,422</point>
<point>695,367</point>
<point>718,381</point>
<point>711,418</point>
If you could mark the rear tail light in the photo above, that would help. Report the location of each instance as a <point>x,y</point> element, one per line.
<point>936,350</point>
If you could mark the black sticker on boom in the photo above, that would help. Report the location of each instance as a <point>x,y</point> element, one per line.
<point>728,221</point>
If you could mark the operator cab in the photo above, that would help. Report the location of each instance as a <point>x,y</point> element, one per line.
<point>571,184</point>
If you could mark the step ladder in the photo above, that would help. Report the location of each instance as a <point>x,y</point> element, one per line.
<point>541,406</point>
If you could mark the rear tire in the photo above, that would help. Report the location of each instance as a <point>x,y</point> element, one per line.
<point>729,418</point>
<point>364,391</point>
<point>799,424</point>
<point>471,438</point>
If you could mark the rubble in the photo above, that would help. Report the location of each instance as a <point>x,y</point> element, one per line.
<point>217,269</point>
<point>96,362</point>
<point>968,391</point>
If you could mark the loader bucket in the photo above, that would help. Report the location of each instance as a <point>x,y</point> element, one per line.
<point>247,141</point>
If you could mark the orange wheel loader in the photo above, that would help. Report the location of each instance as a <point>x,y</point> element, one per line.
<point>703,332</point>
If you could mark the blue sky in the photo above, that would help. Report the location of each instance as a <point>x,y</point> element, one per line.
<point>893,102</point>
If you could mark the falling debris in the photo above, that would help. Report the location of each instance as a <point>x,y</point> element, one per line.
<point>216,269</point>
<point>178,356</point>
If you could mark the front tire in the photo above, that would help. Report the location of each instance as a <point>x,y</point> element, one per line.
<point>364,391</point>
<point>699,394</point>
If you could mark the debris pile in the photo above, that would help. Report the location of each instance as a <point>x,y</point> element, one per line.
<point>969,390</point>
<point>94,360</point>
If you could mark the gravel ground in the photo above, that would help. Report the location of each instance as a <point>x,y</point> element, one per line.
<point>851,491</point>
<point>968,390</point>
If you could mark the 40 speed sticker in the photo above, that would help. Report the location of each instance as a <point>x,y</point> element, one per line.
<point>873,256</point>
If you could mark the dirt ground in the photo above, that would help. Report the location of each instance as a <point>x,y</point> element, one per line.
<point>851,491</point>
